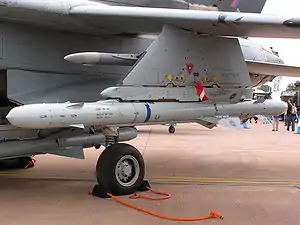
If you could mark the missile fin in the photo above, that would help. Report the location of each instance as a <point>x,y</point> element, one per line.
<point>211,122</point>
<point>206,123</point>
<point>81,126</point>
<point>75,105</point>
<point>75,152</point>
<point>262,100</point>
<point>231,122</point>
<point>264,119</point>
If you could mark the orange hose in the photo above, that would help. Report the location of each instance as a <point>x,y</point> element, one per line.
<point>211,215</point>
<point>167,196</point>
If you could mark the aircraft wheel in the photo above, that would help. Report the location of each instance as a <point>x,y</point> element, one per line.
<point>171,129</point>
<point>120,169</point>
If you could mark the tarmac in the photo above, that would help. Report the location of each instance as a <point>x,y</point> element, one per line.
<point>250,177</point>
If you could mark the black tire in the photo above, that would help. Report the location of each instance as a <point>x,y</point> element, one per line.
<point>172,129</point>
<point>106,169</point>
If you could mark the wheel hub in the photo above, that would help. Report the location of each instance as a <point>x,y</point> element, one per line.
<point>127,170</point>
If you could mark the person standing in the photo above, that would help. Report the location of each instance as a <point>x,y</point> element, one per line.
<point>276,122</point>
<point>291,115</point>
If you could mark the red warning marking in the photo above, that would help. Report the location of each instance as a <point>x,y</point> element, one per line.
<point>190,68</point>
<point>201,92</point>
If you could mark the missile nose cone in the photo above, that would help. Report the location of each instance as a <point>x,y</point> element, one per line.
<point>109,92</point>
<point>12,116</point>
<point>282,106</point>
<point>84,58</point>
<point>26,116</point>
<point>20,116</point>
<point>72,58</point>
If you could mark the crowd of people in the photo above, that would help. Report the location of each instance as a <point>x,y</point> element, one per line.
<point>290,117</point>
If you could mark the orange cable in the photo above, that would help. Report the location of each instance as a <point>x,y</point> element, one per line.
<point>167,196</point>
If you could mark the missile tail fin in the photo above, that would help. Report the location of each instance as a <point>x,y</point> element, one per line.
<point>81,126</point>
<point>75,152</point>
<point>76,105</point>
<point>264,119</point>
<point>230,122</point>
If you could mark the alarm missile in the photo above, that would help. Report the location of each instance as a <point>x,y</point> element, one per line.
<point>115,113</point>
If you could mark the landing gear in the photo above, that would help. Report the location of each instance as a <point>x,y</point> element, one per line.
<point>120,169</point>
<point>172,129</point>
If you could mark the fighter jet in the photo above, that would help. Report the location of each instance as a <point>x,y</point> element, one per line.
<point>60,55</point>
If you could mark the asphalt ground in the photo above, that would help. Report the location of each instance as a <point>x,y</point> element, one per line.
<point>249,177</point>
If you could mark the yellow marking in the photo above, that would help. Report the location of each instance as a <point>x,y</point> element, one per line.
<point>205,79</point>
<point>221,178</point>
<point>169,77</point>
<point>182,78</point>
<point>179,180</point>
<point>216,79</point>
<point>226,180</point>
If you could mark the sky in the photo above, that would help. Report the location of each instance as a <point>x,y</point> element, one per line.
<point>289,49</point>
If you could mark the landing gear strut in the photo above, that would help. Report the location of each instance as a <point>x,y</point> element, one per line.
<point>120,168</point>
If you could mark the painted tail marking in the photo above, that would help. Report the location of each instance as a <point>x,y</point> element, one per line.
<point>201,92</point>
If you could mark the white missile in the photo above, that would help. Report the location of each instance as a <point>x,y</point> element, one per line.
<point>94,58</point>
<point>113,112</point>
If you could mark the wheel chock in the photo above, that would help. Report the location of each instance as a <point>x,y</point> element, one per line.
<point>99,191</point>
<point>145,186</point>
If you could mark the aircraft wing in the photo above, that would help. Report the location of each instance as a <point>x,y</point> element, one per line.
<point>137,20</point>
<point>273,69</point>
<point>90,17</point>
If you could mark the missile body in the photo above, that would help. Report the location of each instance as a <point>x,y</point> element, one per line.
<point>113,112</point>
